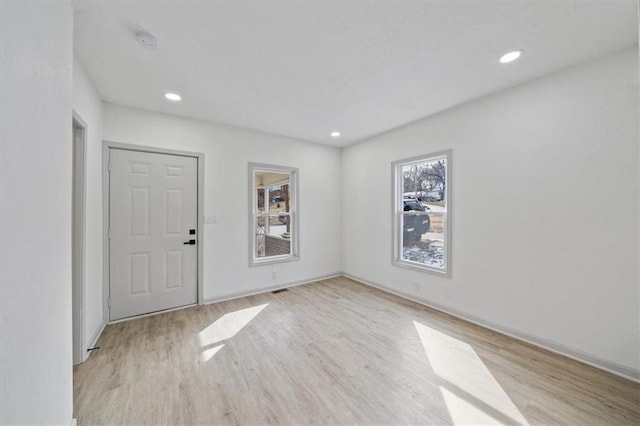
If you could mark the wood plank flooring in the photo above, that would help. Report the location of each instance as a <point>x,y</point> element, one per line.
<point>335,352</point>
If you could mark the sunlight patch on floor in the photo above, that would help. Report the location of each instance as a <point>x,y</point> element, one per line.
<point>208,353</point>
<point>225,328</point>
<point>471,393</point>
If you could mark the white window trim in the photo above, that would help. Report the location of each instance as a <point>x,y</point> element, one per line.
<point>293,214</point>
<point>396,214</point>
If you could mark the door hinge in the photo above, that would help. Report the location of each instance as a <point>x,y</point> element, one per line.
<point>109,166</point>
<point>109,233</point>
<point>109,301</point>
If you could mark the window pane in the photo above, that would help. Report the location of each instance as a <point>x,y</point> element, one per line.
<point>421,241</point>
<point>421,191</point>
<point>279,224</point>
<point>425,181</point>
<point>273,211</point>
<point>260,236</point>
<point>274,239</point>
<point>279,199</point>
<point>260,195</point>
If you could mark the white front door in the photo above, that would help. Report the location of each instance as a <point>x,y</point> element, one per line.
<point>153,212</point>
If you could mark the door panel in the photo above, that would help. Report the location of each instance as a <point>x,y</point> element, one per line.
<point>153,205</point>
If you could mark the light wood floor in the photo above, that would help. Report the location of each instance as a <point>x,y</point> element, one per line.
<point>332,352</point>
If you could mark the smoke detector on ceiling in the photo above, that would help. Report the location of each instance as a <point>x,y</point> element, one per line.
<point>147,40</point>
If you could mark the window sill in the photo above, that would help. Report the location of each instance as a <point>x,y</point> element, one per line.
<point>273,259</point>
<point>421,268</point>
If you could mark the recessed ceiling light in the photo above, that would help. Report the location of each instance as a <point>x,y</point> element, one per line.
<point>335,134</point>
<point>173,96</point>
<point>511,56</point>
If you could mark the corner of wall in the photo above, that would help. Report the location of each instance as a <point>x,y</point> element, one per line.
<point>88,105</point>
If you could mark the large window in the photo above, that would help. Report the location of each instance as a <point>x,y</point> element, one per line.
<point>273,215</point>
<point>421,211</point>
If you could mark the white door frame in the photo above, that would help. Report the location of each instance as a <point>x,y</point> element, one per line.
<point>106,146</point>
<point>78,242</point>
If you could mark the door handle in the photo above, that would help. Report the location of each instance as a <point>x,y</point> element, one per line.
<point>190,242</point>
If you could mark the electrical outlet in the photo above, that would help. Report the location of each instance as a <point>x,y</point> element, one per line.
<point>274,275</point>
<point>416,286</point>
<point>210,220</point>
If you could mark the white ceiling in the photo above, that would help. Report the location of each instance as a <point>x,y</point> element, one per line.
<point>303,69</point>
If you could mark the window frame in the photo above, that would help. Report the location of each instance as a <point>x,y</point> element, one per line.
<point>254,213</point>
<point>397,211</point>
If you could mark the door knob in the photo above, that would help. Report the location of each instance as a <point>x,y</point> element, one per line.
<point>190,242</point>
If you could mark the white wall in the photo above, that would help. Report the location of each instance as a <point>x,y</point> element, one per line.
<point>88,105</point>
<point>227,151</point>
<point>35,206</point>
<point>545,219</point>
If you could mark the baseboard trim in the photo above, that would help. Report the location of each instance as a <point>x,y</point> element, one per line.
<point>602,364</point>
<point>269,289</point>
<point>93,341</point>
<point>230,297</point>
